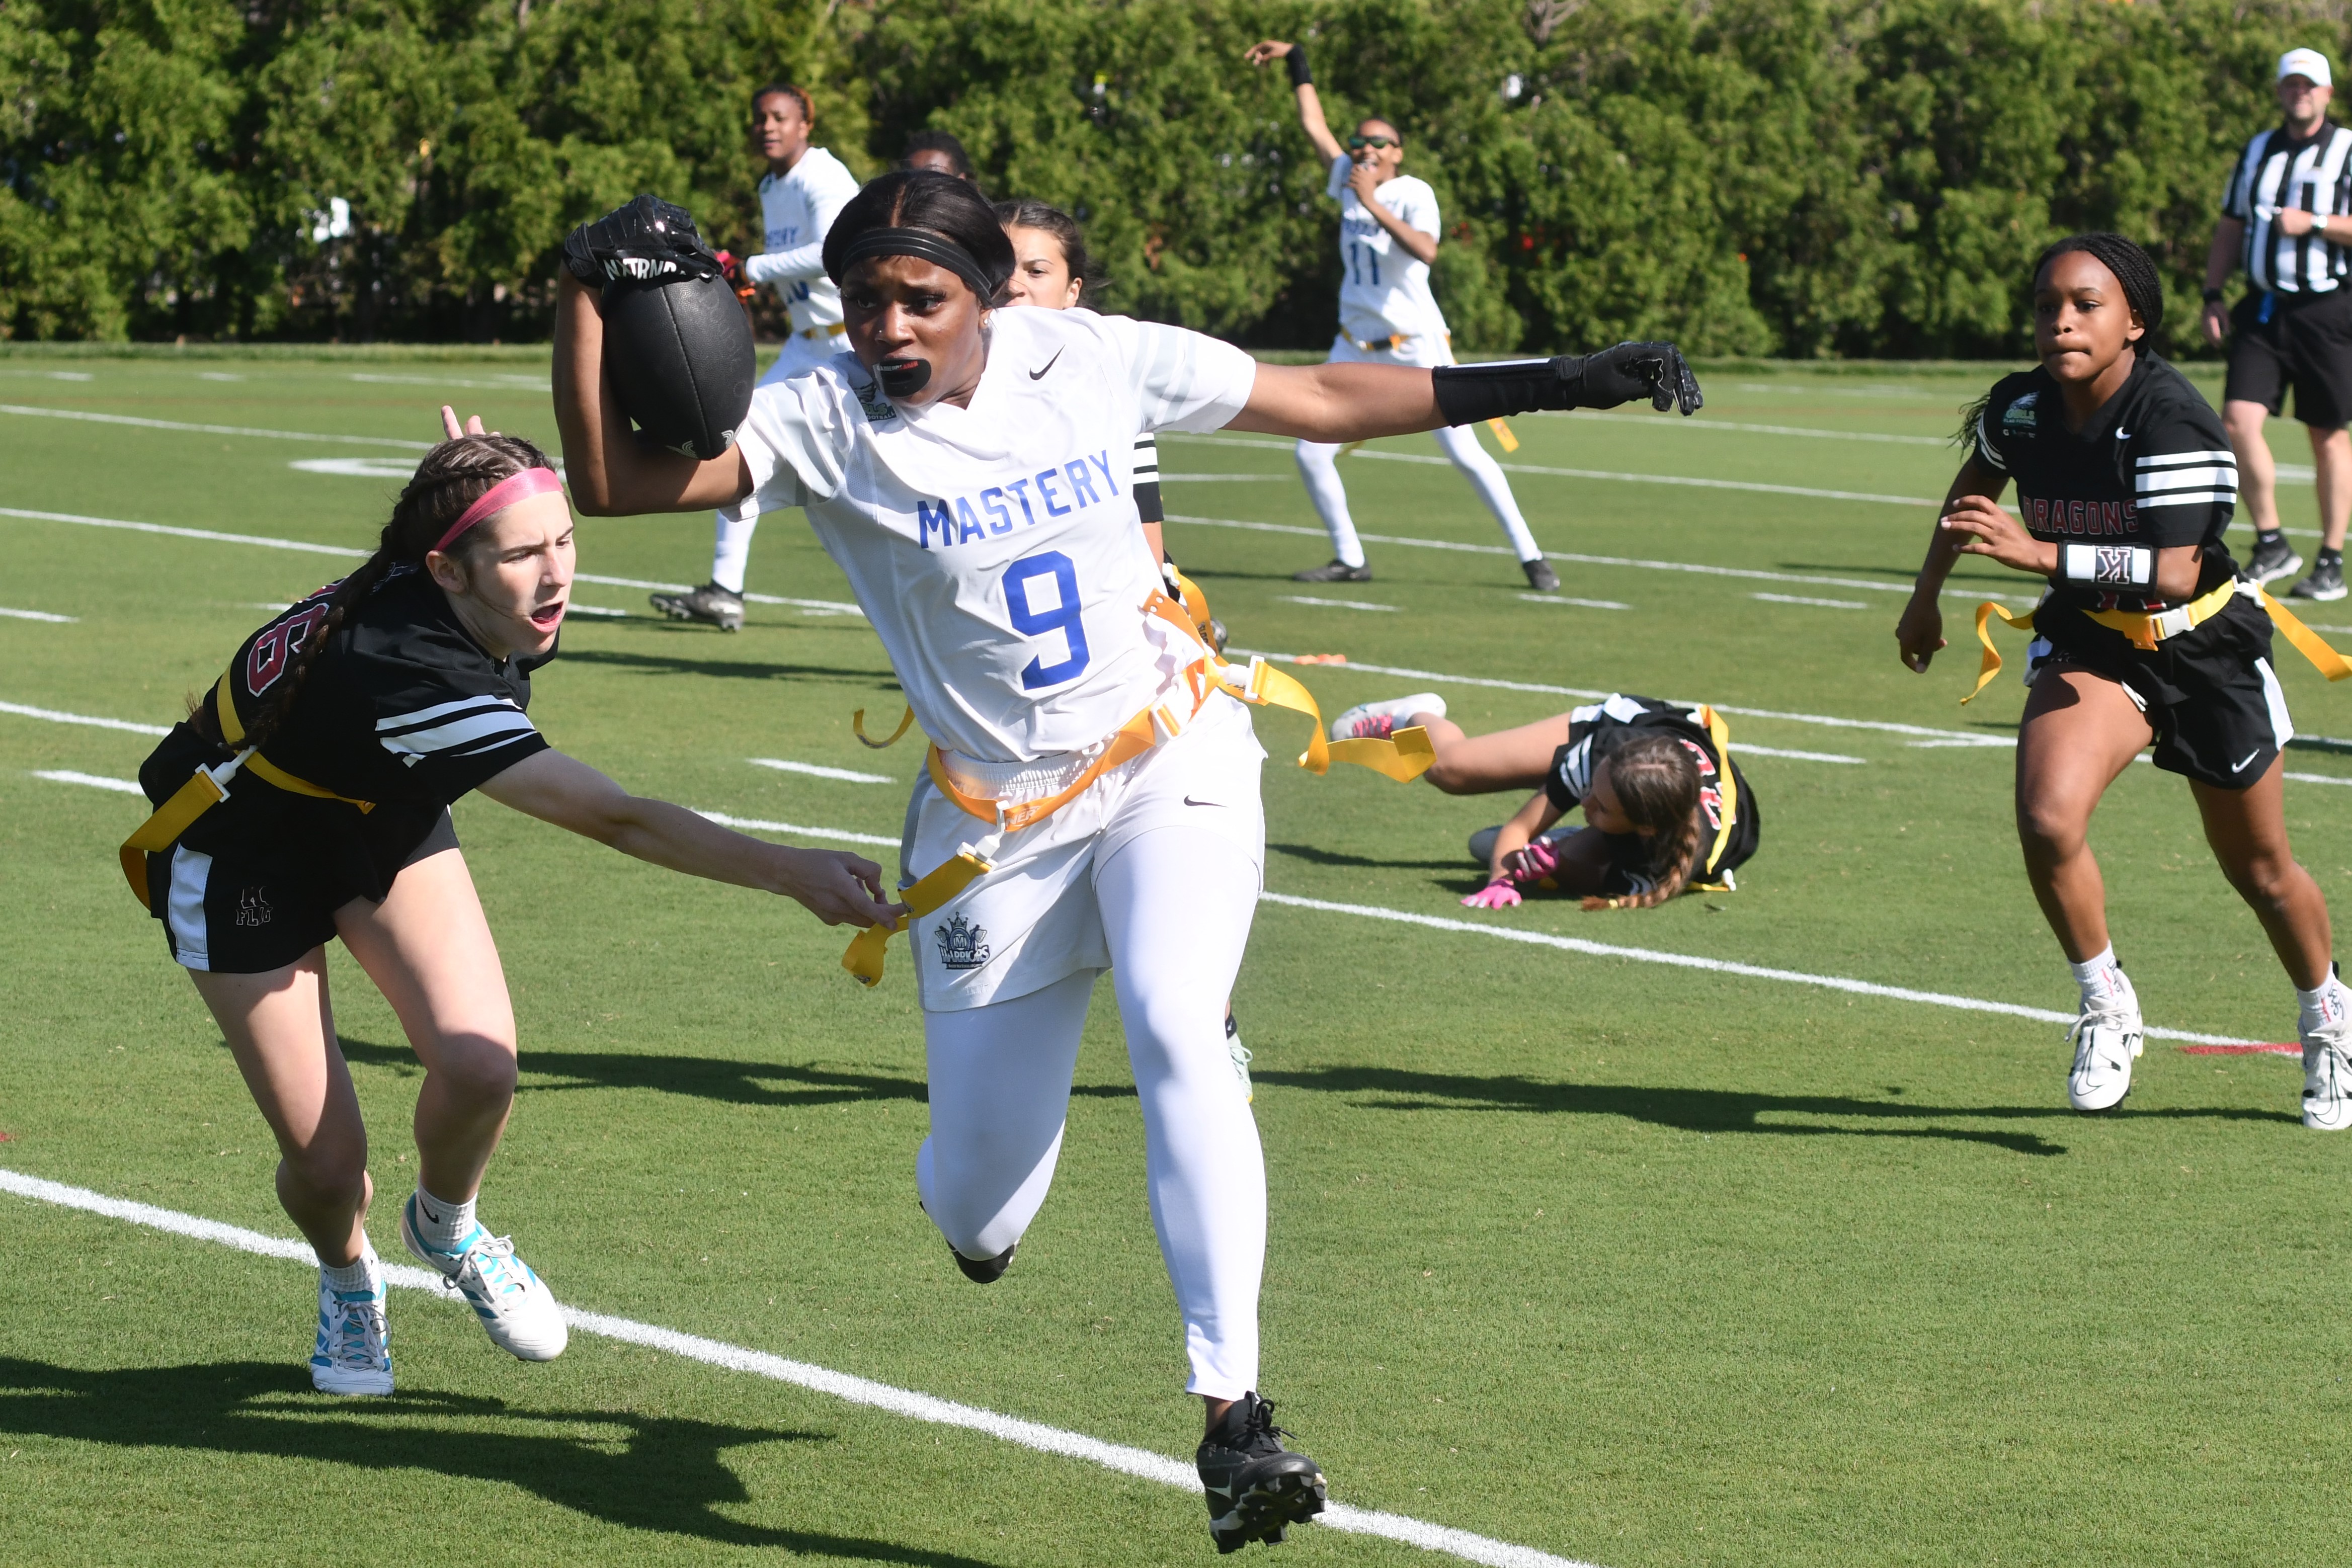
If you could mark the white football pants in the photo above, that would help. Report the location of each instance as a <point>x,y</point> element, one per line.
<point>1176,905</point>
<point>1318,465</point>
<point>732,553</point>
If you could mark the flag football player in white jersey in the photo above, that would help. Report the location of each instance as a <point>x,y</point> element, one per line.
<point>803,192</point>
<point>1090,799</point>
<point>305,798</point>
<point>1387,236</point>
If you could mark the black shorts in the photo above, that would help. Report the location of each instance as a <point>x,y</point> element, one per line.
<point>2211,697</point>
<point>249,911</point>
<point>2306,345</point>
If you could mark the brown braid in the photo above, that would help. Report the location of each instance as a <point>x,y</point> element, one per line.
<point>1656,782</point>
<point>452,477</point>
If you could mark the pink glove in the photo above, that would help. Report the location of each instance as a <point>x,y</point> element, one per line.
<point>1531,864</point>
<point>1500,894</point>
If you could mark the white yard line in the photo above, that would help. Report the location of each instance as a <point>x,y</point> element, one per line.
<point>41,615</point>
<point>1580,603</point>
<point>1745,749</point>
<point>1729,425</point>
<point>1332,603</point>
<point>95,781</point>
<point>86,416</point>
<point>57,716</point>
<point>818,769</point>
<point>1824,604</point>
<point>906,1403</point>
<point>755,825</point>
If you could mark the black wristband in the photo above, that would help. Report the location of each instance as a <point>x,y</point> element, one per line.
<point>2214,297</point>
<point>1297,60</point>
<point>1468,394</point>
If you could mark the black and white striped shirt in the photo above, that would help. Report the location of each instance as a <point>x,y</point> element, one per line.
<point>2314,176</point>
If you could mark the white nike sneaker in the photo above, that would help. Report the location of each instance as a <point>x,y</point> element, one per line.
<point>354,1355</point>
<point>1375,721</point>
<point>517,1309</point>
<point>1242,1059</point>
<point>2104,1044</point>
<point>2327,1076</point>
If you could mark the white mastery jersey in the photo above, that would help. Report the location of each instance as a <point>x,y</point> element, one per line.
<point>1383,288</point>
<point>799,210</point>
<point>996,548</point>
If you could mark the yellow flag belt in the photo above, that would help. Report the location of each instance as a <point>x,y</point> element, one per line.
<point>2145,630</point>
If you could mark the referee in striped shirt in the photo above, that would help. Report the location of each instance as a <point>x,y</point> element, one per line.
<point>2288,216</point>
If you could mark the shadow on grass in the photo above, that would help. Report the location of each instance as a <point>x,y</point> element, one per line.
<point>622,1468</point>
<point>734,669</point>
<point>704,1077</point>
<point>1687,1110</point>
<point>1314,856</point>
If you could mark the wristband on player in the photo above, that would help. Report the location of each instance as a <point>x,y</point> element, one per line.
<point>2214,297</point>
<point>1297,60</point>
<point>2107,566</point>
<point>1469,393</point>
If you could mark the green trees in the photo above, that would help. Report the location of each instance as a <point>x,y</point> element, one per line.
<point>1800,177</point>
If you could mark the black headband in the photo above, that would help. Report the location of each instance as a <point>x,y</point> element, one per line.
<point>925,243</point>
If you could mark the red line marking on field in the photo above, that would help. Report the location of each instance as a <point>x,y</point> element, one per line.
<point>2241,1050</point>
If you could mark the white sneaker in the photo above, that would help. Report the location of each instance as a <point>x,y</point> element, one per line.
<point>2327,1076</point>
<point>354,1355</point>
<point>517,1309</point>
<point>1375,721</point>
<point>1242,1059</point>
<point>2105,1045</point>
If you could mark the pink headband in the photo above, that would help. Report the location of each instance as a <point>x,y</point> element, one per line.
<point>504,494</point>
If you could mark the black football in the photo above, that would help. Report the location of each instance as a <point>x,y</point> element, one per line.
<point>681,359</point>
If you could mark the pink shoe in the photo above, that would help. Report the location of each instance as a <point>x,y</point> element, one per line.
<point>1378,721</point>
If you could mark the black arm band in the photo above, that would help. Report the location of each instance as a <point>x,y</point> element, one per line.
<point>1297,60</point>
<point>1468,394</point>
<point>2214,297</point>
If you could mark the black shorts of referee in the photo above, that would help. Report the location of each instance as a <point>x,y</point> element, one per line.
<point>2301,341</point>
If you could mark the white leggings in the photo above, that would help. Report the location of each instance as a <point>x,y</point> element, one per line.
<point>1176,906</point>
<point>1318,465</point>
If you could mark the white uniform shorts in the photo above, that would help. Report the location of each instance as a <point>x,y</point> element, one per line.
<point>1033,919</point>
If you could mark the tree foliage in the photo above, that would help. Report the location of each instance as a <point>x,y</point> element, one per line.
<point>1801,177</point>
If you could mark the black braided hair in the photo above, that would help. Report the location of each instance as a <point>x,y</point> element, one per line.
<point>2133,267</point>
<point>452,477</point>
<point>1657,785</point>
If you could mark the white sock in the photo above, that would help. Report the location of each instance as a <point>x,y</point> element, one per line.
<point>362,1273</point>
<point>732,551</point>
<point>2327,1004</point>
<point>2106,989</point>
<point>441,1223</point>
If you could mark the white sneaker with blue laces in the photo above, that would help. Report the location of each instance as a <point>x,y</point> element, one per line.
<point>354,1355</point>
<point>517,1309</point>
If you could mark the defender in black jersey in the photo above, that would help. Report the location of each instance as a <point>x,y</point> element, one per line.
<point>1666,808</point>
<point>2146,636</point>
<point>305,798</point>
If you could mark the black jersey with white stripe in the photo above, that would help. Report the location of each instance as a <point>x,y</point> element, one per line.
<point>2314,175</point>
<point>2151,467</point>
<point>1595,731</point>
<point>402,709</point>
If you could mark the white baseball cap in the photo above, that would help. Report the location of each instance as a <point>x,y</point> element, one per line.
<point>2309,64</point>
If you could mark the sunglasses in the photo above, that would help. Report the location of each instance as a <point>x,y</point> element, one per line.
<point>1354,142</point>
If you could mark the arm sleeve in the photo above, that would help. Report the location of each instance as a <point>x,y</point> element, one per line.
<point>447,723</point>
<point>2184,482</point>
<point>1182,380</point>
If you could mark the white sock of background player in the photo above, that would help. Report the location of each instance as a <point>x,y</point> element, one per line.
<point>1318,465</point>
<point>1485,475</point>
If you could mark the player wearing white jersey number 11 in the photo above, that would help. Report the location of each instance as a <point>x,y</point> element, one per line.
<point>803,191</point>
<point>1091,796</point>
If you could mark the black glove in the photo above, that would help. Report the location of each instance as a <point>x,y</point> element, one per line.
<point>1619,375</point>
<point>646,241</point>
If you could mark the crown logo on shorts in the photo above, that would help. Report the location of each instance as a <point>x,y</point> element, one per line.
<point>960,944</point>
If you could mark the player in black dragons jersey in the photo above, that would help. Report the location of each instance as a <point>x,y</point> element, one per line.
<point>305,798</point>
<point>1665,809</point>
<point>2146,635</point>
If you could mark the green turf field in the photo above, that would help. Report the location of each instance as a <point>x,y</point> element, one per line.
<point>1627,1262</point>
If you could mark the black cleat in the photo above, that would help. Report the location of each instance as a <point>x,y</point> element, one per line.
<point>1256,1489</point>
<point>1540,575</point>
<point>2273,558</point>
<point>1217,634</point>
<point>1338,571</point>
<point>2326,583</point>
<point>985,1270</point>
<point>712,605</point>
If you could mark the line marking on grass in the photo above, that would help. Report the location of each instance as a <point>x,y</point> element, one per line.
<point>212,536</point>
<point>757,825</point>
<point>1582,603</point>
<point>1331,603</point>
<point>95,781</point>
<point>1824,604</point>
<point>355,468</point>
<point>819,770</point>
<point>2273,1049</point>
<point>1700,569</point>
<point>576,608</point>
<point>1718,966</point>
<point>1746,750</point>
<point>86,416</point>
<point>1140,1463</point>
<point>57,715</point>
<point>1722,424</point>
<point>41,615</point>
<point>2315,778</point>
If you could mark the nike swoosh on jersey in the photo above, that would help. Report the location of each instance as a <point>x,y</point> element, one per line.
<point>1040,374</point>
<point>1190,801</point>
<point>2241,767</point>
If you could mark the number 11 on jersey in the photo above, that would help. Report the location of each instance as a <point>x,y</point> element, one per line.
<point>1021,592</point>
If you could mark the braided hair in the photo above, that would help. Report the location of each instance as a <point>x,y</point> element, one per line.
<point>1656,783</point>
<point>452,477</point>
<point>2133,267</point>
